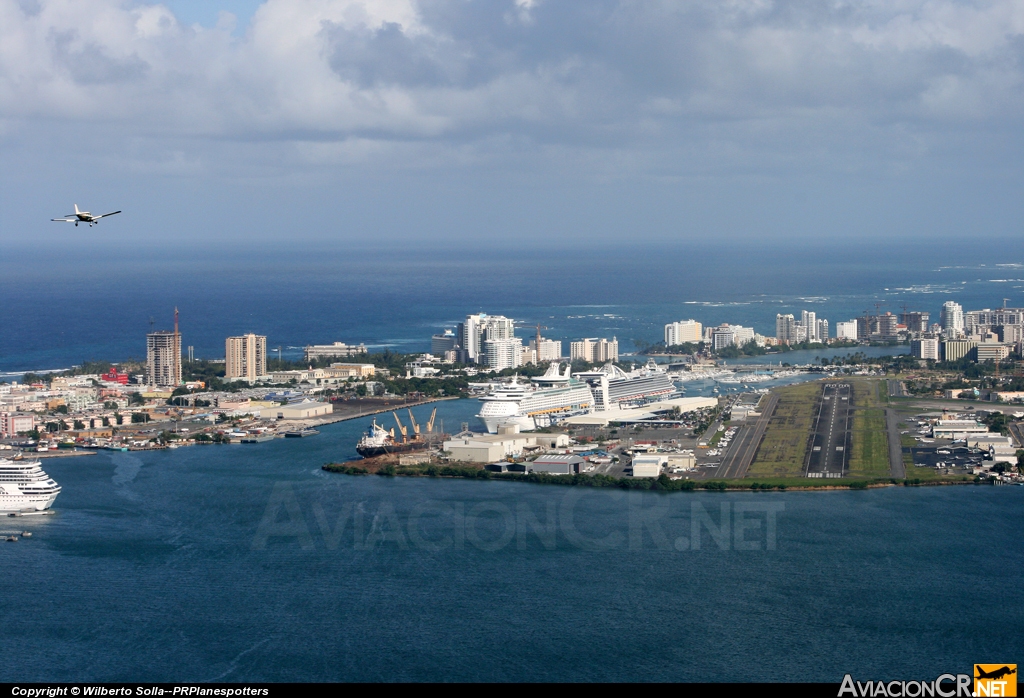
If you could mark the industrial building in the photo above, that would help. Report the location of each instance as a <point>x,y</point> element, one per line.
<point>298,410</point>
<point>648,464</point>
<point>487,448</point>
<point>557,464</point>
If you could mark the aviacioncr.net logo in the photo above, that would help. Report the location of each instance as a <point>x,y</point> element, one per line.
<point>995,680</point>
<point>945,686</point>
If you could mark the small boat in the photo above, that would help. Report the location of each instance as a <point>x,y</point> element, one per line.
<point>257,438</point>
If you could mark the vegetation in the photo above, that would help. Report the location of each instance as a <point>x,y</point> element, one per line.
<point>662,483</point>
<point>784,449</point>
<point>869,455</point>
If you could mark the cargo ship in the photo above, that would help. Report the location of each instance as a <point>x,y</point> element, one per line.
<point>378,441</point>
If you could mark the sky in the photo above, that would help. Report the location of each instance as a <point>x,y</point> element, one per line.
<point>455,124</point>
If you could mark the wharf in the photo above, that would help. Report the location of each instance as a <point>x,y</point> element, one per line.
<point>63,453</point>
<point>335,417</point>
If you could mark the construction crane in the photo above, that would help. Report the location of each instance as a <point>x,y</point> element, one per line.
<point>415,426</point>
<point>430,424</point>
<point>401,427</point>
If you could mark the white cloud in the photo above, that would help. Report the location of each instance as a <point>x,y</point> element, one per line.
<point>605,74</point>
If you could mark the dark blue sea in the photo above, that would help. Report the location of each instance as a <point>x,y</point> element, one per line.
<point>249,563</point>
<point>64,307</point>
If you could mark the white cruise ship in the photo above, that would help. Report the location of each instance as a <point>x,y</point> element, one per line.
<point>614,388</point>
<point>25,487</point>
<point>551,397</point>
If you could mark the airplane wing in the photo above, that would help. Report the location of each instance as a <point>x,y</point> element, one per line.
<point>64,220</point>
<point>106,214</point>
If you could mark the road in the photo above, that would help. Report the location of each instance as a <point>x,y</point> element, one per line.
<point>830,442</point>
<point>897,467</point>
<point>744,445</point>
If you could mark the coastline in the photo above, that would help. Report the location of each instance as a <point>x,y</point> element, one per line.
<point>388,467</point>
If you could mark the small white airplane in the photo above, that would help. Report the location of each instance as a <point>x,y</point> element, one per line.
<point>83,217</point>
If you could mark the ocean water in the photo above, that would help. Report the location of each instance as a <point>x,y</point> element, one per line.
<point>246,563</point>
<point>66,307</point>
<point>250,563</point>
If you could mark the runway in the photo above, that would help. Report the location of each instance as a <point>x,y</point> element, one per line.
<point>829,451</point>
<point>745,444</point>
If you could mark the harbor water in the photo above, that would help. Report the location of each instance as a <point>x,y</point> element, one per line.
<point>250,563</point>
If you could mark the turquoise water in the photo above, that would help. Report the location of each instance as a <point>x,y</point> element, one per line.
<point>248,563</point>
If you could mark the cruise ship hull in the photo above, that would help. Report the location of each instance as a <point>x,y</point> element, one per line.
<point>19,503</point>
<point>24,487</point>
<point>524,422</point>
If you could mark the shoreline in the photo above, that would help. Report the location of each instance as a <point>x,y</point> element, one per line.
<point>469,471</point>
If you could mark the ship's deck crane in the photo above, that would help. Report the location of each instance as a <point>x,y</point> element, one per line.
<point>415,426</point>
<point>430,424</point>
<point>401,428</point>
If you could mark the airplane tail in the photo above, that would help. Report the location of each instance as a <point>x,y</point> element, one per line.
<point>76,210</point>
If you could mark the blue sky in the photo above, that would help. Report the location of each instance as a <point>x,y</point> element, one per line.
<point>207,13</point>
<point>527,122</point>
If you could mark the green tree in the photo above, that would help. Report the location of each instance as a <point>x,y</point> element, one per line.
<point>139,417</point>
<point>79,425</point>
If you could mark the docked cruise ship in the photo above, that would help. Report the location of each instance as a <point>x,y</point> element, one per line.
<point>613,388</point>
<point>544,401</point>
<point>25,487</point>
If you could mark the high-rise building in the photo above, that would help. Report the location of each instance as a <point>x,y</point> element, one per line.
<point>550,350</point>
<point>822,333</point>
<point>846,330</point>
<point>163,357</point>
<point>887,326</point>
<point>595,350</point>
<point>809,320</point>
<point>443,343</point>
<point>682,332</point>
<point>245,357</point>
<point>925,348</point>
<point>952,319</point>
<point>785,328</point>
<point>726,335</point>
<point>499,354</point>
<point>480,327</point>
<point>915,322</point>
